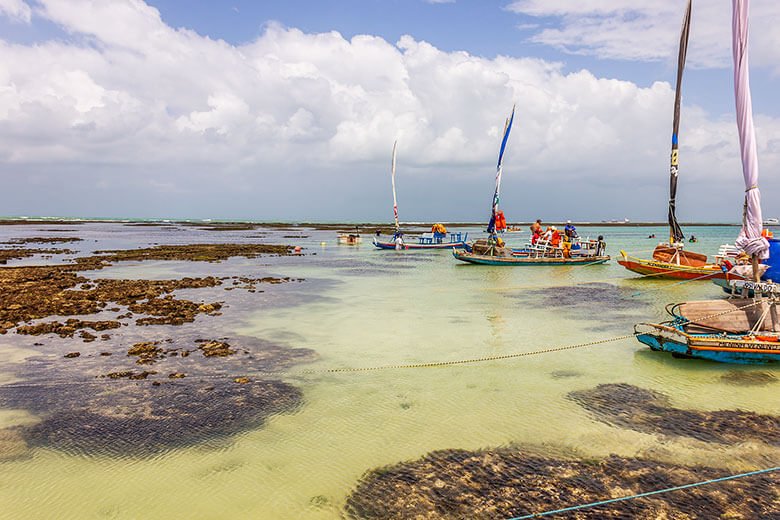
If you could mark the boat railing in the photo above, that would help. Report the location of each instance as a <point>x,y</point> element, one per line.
<point>438,238</point>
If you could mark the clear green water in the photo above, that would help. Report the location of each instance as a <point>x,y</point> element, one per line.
<point>361,308</point>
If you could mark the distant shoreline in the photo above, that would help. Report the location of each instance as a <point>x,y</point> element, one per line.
<point>8,221</point>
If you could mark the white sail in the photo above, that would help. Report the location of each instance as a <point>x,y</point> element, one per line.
<point>750,237</point>
<point>395,202</point>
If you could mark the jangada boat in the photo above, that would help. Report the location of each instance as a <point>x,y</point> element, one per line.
<point>730,331</point>
<point>493,250</point>
<point>488,252</point>
<point>741,329</point>
<point>669,259</point>
<point>436,239</point>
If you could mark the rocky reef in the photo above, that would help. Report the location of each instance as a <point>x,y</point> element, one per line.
<point>487,484</point>
<point>627,406</point>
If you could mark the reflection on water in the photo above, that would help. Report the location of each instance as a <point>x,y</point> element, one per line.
<point>358,307</point>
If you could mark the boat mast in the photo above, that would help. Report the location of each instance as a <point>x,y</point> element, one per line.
<point>395,203</point>
<point>750,237</point>
<point>507,128</point>
<point>675,233</point>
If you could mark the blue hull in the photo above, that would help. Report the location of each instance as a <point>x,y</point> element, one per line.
<point>406,247</point>
<point>679,348</point>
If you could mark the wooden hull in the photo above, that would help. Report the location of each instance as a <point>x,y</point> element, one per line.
<point>669,270</point>
<point>473,258</point>
<point>350,240</point>
<point>443,245</point>
<point>730,349</point>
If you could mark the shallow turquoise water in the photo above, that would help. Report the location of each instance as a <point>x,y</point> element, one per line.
<point>360,307</point>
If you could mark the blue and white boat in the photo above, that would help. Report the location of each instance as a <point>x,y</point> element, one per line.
<point>436,239</point>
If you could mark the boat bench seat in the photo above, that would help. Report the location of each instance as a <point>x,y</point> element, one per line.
<point>728,316</point>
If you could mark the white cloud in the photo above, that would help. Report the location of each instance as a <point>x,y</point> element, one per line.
<point>16,10</point>
<point>137,101</point>
<point>630,30</point>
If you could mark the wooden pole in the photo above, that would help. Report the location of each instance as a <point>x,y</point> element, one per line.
<point>754,261</point>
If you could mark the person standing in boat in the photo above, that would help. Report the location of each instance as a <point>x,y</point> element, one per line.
<point>536,230</point>
<point>601,246</point>
<point>555,237</point>
<point>570,231</point>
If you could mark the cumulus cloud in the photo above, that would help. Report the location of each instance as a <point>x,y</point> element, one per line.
<point>630,30</point>
<point>16,10</point>
<point>134,106</point>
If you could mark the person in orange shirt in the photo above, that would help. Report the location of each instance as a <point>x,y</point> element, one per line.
<point>555,237</point>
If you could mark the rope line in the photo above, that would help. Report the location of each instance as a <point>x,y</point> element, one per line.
<point>646,494</point>
<point>429,364</point>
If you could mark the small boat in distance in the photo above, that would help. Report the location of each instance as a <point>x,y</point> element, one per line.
<point>772,221</point>
<point>350,239</point>
<point>436,239</point>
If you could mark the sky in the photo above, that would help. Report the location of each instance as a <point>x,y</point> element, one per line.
<point>288,110</point>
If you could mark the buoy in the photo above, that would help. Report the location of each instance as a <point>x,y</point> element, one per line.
<point>323,244</point>
<point>297,250</point>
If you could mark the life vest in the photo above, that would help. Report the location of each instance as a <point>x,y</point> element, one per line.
<point>766,233</point>
<point>439,228</point>
<point>500,221</point>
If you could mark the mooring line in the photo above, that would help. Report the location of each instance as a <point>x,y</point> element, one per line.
<point>429,364</point>
<point>646,494</point>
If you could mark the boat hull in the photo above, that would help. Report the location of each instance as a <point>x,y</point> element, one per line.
<point>473,258</point>
<point>443,245</point>
<point>671,271</point>
<point>663,338</point>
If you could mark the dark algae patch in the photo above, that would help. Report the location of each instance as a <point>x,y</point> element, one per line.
<point>44,240</point>
<point>131,416</point>
<point>142,392</point>
<point>748,378</point>
<point>490,484</point>
<point>626,406</point>
<point>155,397</point>
<point>192,252</point>
<point>17,253</point>
<point>36,292</point>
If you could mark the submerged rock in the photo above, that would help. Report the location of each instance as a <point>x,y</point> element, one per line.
<point>137,418</point>
<point>216,348</point>
<point>506,483</point>
<point>748,378</point>
<point>627,406</point>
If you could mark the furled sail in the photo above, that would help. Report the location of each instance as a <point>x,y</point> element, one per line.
<point>675,233</point>
<point>395,202</point>
<point>507,128</point>
<point>750,239</point>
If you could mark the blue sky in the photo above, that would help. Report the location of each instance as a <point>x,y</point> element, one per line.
<point>135,108</point>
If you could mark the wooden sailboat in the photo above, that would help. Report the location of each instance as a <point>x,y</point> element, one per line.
<point>436,239</point>
<point>737,330</point>
<point>492,251</point>
<point>670,260</point>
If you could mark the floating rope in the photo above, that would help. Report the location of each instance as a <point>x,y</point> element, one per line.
<point>430,364</point>
<point>469,361</point>
<point>647,494</point>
